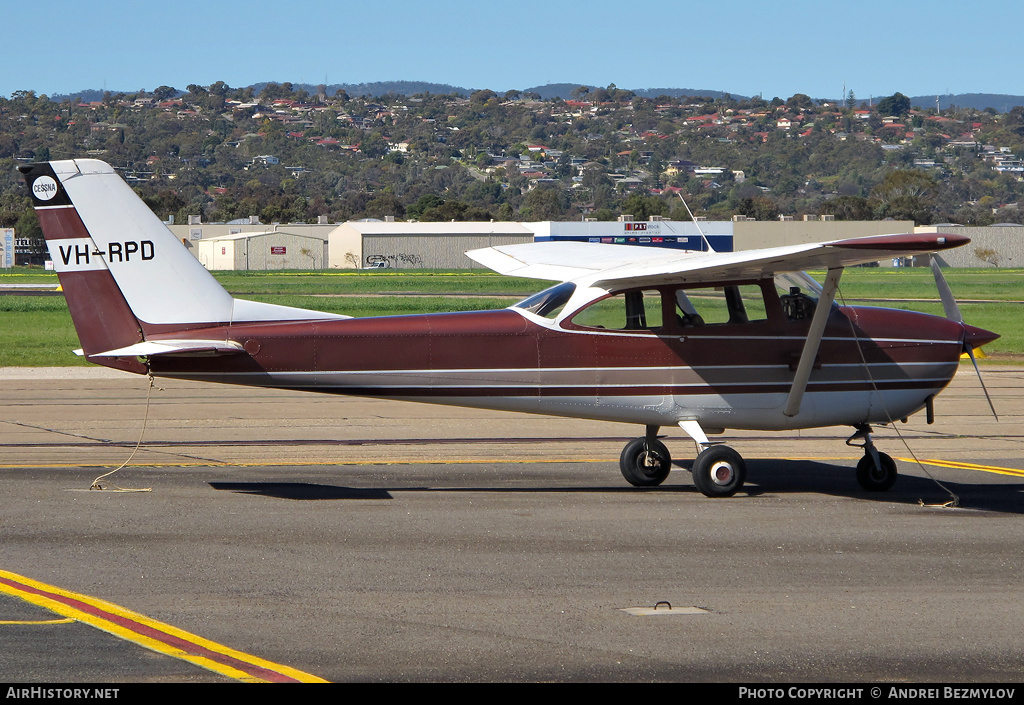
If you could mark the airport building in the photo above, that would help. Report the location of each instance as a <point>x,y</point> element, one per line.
<point>991,246</point>
<point>360,244</point>
<point>275,249</point>
<point>442,245</point>
<point>397,245</point>
<point>250,245</point>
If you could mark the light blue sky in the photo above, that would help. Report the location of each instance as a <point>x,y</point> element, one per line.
<point>877,47</point>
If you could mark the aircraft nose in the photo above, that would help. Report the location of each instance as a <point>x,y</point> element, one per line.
<point>976,337</point>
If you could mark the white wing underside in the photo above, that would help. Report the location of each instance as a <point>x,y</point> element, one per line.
<point>602,265</point>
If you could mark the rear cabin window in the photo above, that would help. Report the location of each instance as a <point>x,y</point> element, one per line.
<point>705,306</point>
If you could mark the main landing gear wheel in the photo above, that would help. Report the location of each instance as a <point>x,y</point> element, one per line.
<point>719,471</point>
<point>876,479</point>
<point>645,463</point>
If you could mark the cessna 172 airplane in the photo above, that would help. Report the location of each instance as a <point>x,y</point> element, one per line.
<point>704,341</point>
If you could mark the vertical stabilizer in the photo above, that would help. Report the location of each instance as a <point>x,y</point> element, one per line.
<point>124,274</point>
<point>164,285</point>
<point>100,313</point>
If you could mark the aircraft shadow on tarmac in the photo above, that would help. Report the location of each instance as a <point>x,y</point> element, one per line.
<point>301,490</point>
<point>764,478</point>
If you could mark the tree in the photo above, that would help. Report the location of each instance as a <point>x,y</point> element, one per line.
<point>988,255</point>
<point>424,203</point>
<point>896,104</point>
<point>847,208</point>
<point>643,207</point>
<point>482,96</point>
<point>164,93</point>
<point>800,100</point>
<point>542,203</point>
<point>758,207</point>
<point>905,194</point>
<point>594,176</point>
<point>384,205</point>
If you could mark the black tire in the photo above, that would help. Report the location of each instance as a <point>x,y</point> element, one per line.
<point>645,463</point>
<point>719,471</point>
<point>871,478</point>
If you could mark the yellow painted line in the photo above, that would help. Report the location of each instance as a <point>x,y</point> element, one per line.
<point>300,463</point>
<point>151,634</point>
<point>37,621</point>
<point>968,466</point>
<point>481,461</point>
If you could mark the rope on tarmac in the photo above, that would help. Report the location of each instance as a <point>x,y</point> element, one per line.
<point>145,420</point>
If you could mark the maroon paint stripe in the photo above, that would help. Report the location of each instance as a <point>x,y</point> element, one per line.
<point>61,224</point>
<point>156,635</point>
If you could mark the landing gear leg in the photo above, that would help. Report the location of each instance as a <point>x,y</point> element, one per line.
<point>876,471</point>
<point>645,462</point>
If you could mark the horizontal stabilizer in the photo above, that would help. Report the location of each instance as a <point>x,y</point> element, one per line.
<point>153,348</point>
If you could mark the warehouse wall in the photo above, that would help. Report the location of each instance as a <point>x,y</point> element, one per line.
<point>989,247</point>
<point>433,251</point>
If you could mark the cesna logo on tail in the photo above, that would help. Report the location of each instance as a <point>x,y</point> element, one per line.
<point>44,188</point>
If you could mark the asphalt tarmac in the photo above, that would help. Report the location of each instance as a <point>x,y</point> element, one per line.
<point>301,536</point>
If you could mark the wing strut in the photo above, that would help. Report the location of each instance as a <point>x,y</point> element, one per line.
<point>810,351</point>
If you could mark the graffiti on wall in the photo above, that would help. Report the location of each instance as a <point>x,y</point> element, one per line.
<point>385,261</point>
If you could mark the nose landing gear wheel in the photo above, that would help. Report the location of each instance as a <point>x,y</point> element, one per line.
<point>876,479</point>
<point>719,471</point>
<point>645,463</point>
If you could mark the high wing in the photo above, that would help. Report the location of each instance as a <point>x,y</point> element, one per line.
<point>628,265</point>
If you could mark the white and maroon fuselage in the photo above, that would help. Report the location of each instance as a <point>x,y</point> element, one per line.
<point>882,367</point>
<point>140,302</point>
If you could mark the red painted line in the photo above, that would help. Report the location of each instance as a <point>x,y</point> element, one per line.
<point>150,632</point>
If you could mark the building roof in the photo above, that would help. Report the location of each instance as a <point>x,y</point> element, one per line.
<point>243,236</point>
<point>454,229</point>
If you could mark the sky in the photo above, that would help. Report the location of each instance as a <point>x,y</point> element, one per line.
<point>873,47</point>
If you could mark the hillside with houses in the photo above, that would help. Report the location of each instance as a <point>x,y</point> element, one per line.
<point>286,154</point>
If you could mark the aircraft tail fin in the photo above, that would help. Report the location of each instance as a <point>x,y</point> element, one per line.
<point>101,315</point>
<point>124,274</point>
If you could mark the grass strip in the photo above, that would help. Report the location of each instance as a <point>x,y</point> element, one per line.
<point>37,330</point>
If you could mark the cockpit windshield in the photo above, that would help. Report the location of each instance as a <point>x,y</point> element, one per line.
<point>549,302</point>
<point>798,293</point>
<point>785,281</point>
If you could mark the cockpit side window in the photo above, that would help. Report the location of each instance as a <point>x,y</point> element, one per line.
<point>639,310</point>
